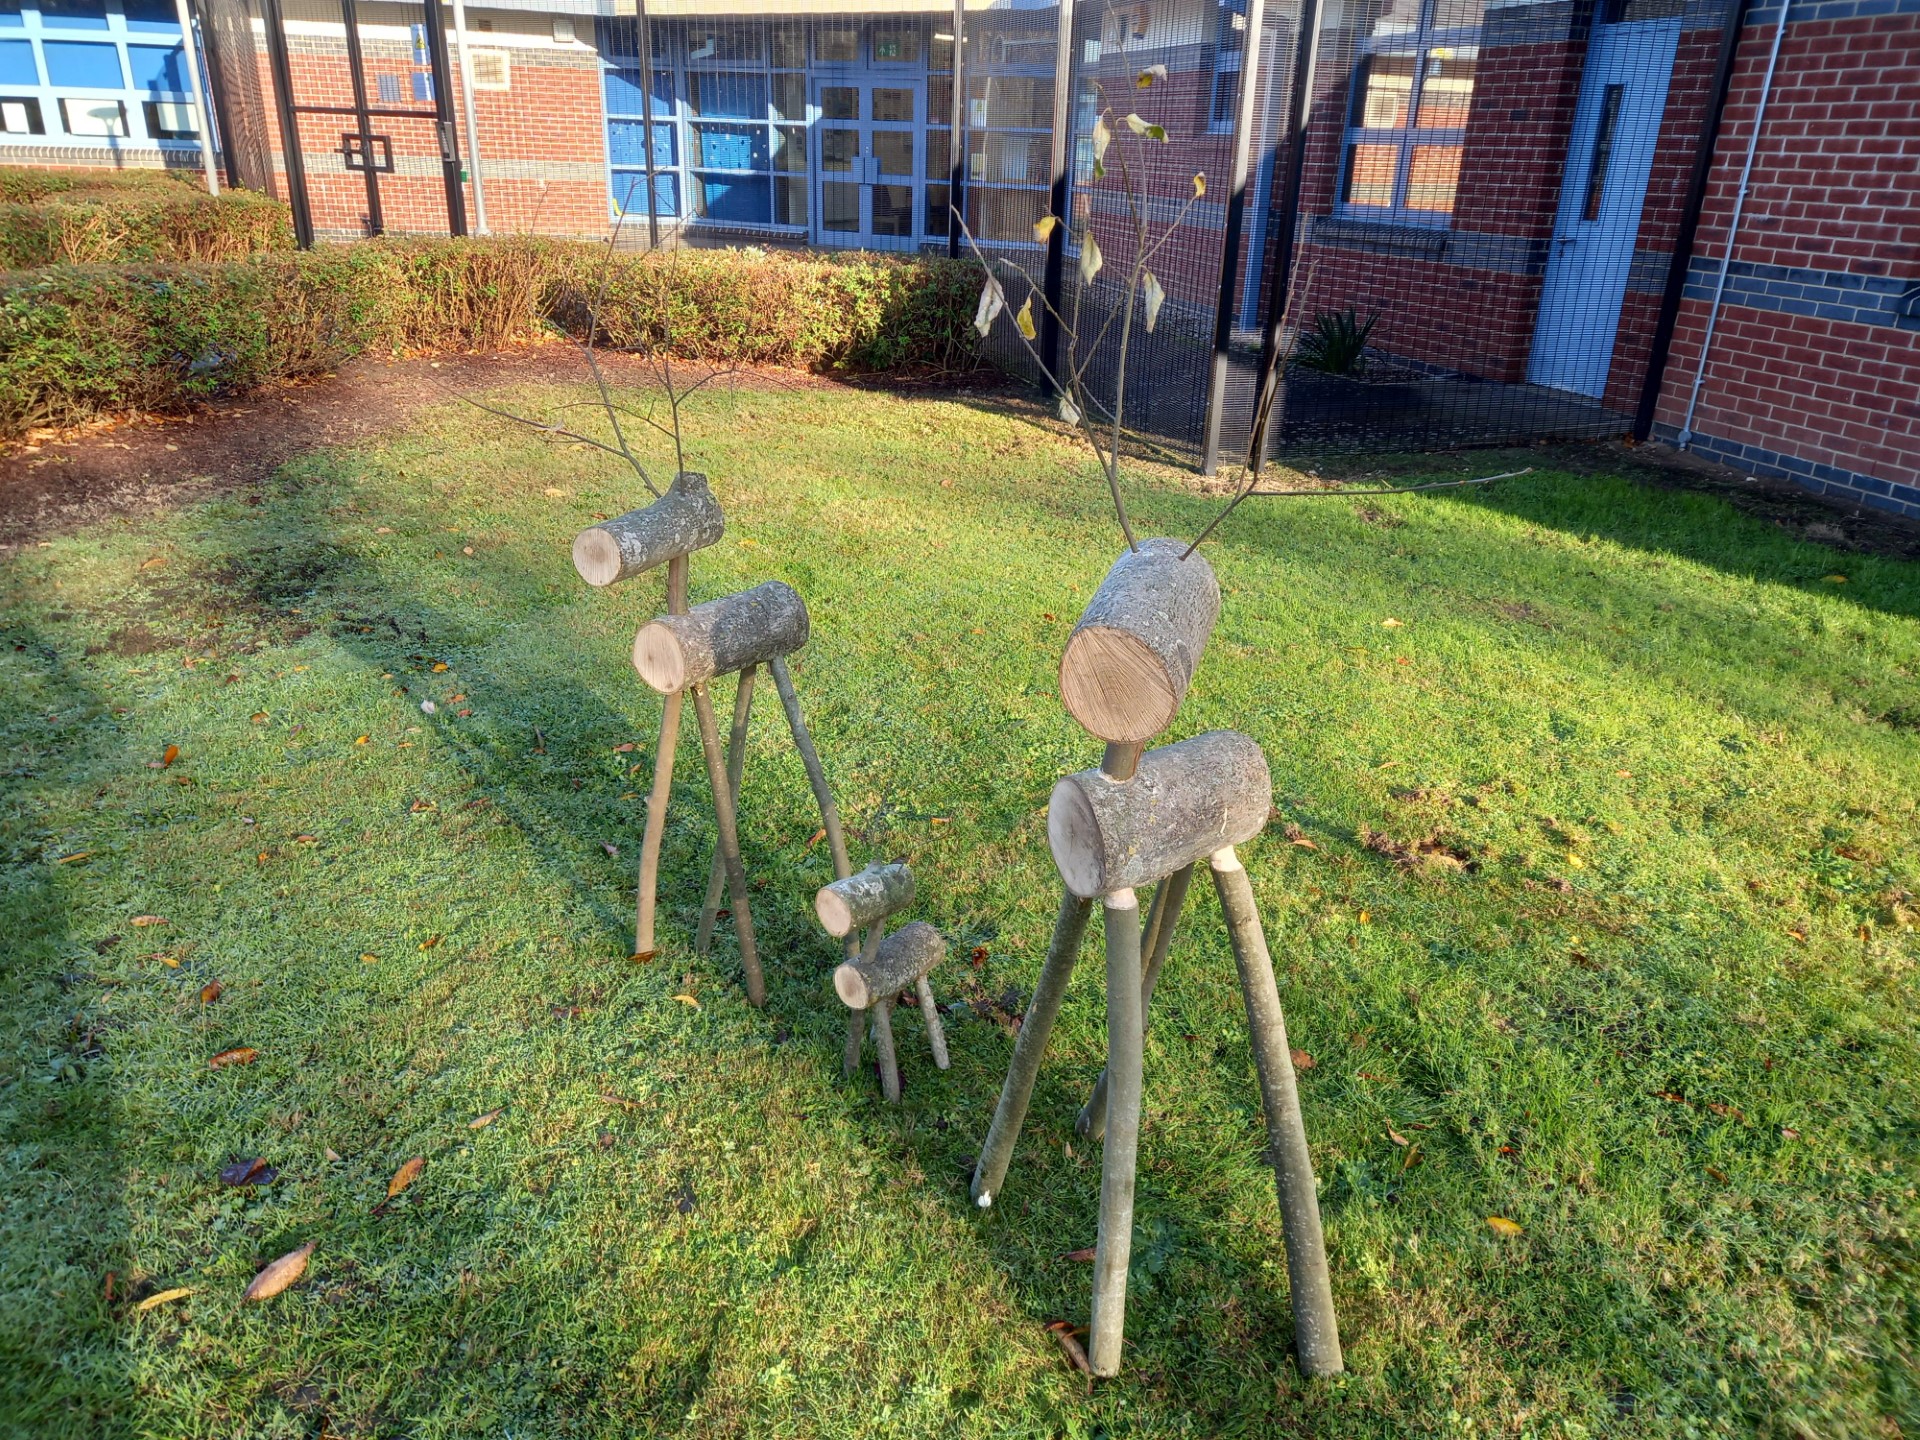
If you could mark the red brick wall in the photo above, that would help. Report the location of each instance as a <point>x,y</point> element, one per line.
<point>1836,187</point>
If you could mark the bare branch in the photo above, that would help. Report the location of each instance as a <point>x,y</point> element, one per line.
<point>1344,494</point>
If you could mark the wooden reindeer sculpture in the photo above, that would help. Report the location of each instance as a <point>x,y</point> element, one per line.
<point>683,650</point>
<point>1148,817</point>
<point>887,964</point>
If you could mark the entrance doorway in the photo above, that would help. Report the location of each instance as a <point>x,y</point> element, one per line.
<point>867,159</point>
<point>1615,126</point>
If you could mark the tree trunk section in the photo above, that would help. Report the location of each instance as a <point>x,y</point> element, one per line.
<point>673,652</point>
<point>864,897</point>
<point>1183,803</point>
<point>903,959</point>
<point>1129,661</point>
<point>685,519</point>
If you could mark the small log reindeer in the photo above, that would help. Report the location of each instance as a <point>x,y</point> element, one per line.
<point>887,964</point>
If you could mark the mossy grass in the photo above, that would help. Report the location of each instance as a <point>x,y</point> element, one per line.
<point>1594,916</point>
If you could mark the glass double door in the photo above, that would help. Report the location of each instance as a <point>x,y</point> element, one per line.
<point>867,157</point>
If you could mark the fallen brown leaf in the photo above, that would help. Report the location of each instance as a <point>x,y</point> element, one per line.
<point>1397,1138</point>
<point>1671,1097</point>
<point>211,991</point>
<point>248,1172</point>
<point>1302,1060</point>
<point>145,920</point>
<point>280,1274</point>
<point>1500,1225</point>
<point>240,1055</point>
<point>177,1293</point>
<point>817,836</point>
<point>1081,1255</point>
<point>1071,1347</point>
<point>169,755</point>
<point>624,748</point>
<point>480,1122</point>
<point>406,1175</point>
<point>1733,1112</point>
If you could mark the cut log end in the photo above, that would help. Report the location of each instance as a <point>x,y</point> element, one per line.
<point>596,555</point>
<point>873,894</point>
<point>660,659</point>
<point>1116,686</point>
<point>1072,835</point>
<point>851,986</point>
<point>836,917</point>
<point>718,637</point>
<point>901,960</point>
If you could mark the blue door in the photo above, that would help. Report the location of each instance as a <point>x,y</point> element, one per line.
<point>1615,126</point>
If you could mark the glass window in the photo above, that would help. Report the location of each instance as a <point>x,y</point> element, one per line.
<point>839,102</point>
<point>789,202</point>
<point>836,44</point>
<point>152,16</point>
<point>93,117</point>
<point>74,14</point>
<point>1602,155</point>
<point>891,103</point>
<point>627,143</point>
<point>172,120</point>
<point>937,206</point>
<point>83,66</point>
<point>728,95</point>
<point>16,63</point>
<point>790,147</point>
<point>725,45</point>
<point>790,98</point>
<point>736,199</point>
<point>896,44</point>
<point>789,47</point>
<point>1407,116</point>
<point>729,147</point>
<point>158,70</point>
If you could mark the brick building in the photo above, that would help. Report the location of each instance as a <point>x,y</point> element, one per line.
<point>1516,191</point>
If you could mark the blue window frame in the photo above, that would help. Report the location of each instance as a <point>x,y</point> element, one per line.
<point>93,71</point>
<point>1413,78</point>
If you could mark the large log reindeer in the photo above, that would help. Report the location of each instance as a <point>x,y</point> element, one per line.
<point>682,651</point>
<point>1147,817</point>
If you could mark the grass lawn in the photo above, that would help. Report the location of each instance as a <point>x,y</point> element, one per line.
<point>1597,898</point>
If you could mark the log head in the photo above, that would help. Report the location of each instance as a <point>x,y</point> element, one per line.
<point>1185,802</point>
<point>685,519</point>
<point>904,958</point>
<point>721,636</point>
<point>1129,661</point>
<point>873,894</point>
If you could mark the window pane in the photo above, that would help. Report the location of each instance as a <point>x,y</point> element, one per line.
<point>152,16</point>
<point>741,199</point>
<point>893,209</point>
<point>939,153</point>
<point>730,147</point>
<point>1397,18</point>
<point>940,53</point>
<point>74,14</point>
<point>94,117</point>
<point>1370,174</point>
<point>1012,159</point>
<point>790,147</point>
<point>730,95</point>
<point>158,70</point>
<point>1433,177</point>
<point>1023,102</point>
<point>1383,92</point>
<point>1446,90</point>
<point>837,45</point>
<point>790,97</point>
<point>937,215</point>
<point>20,115</point>
<point>630,193</point>
<point>1457,14</point>
<point>839,206</point>
<point>789,202</point>
<point>722,43</point>
<point>627,143</point>
<point>91,67</point>
<point>789,50</point>
<point>839,102</point>
<point>895,44</point>
<point>1602,156</point>
<point>838,149</point>
<point>894,150</point>
<point>624,96</point>
<point>16,63</point>
<point>890,103</point>
<point>1005,215</point>
<point>940,99</point>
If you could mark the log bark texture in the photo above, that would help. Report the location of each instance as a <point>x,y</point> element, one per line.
<point>1168,897</point>
<point>1183,803</point>
<point>646,898</point>
<point>862,898</point>
<point>904,957</point>
<point>1119,1161</point>
<point>736,769</point>
<point>936,1032</point>
<point>729,843</point>
<point>674,652</point>
<point>1129,661</point>
<point>1316,1332</point>
<point>884,1051</point>
<point>685,519</point>
<point>816,775</point>
<point>857,1019</point>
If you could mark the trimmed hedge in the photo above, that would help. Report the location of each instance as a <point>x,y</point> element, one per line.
<point>81,341</point>
<point>91,217</point>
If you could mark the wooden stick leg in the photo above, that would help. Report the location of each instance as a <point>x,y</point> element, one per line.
<point>816,775</point>
<point>1117,1164</point>
<point>857,1019</point>
<point>736,767</point>
<point>936,1032</point>
<point>1316,1333</point>
<point>883,1047</point>
<point>656,825</point>
<point>1168,896</point>
<point>723,813</point>
<point>1028,1047</point>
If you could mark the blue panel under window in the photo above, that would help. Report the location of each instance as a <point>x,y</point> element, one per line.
<point>729,96</point>
<point>627,143</point>
<point>630,192</point>
<point>730,147</point>
<point>74,14</point>
<point>16,63</point>
<point>423,85</point>
<point>742,199</point>
<point>83,66</point>
<point>152,16</point>
<point>158,70</point>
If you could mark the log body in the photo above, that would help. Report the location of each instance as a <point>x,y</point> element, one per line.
<point>685,519</point>
<point>903,958</point>
<point>1185,802</point>
<point>875,893</point>
<point>673,652</point>
<point>1129,661</point>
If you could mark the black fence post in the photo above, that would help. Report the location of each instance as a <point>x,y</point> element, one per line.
<point>435,25</point>
<point>1676,287</point>
<point>1057,195</point>
<point>645,48</point>
<point>276,27</point>
<point>357,73</point>
<point>1266,393</point>
<point>1228,303</point>
<point>956,139</point>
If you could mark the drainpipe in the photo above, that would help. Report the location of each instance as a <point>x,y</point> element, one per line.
<point>190,55</point>
<point>1685,437</point>
<point>466,103</point>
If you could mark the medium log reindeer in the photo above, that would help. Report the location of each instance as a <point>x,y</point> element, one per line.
<point>1148,817</point>
<point>683,651</point>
